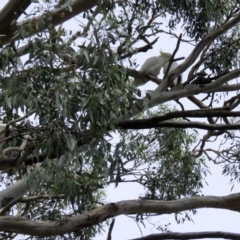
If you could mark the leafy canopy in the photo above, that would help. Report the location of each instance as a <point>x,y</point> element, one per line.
<point>73,90</point>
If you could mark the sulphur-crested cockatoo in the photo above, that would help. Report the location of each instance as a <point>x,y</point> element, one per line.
<point>152,66</point>
<point>176,81</point>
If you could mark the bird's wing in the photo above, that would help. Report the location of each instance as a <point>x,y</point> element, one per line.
<point>149,63</point>
<point>173,66</point>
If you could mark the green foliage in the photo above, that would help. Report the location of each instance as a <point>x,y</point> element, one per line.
<point>169,171</point>
<point>223,55</point>
<point>78,90</point>
<point>198,17</point>
<point>173,172</point>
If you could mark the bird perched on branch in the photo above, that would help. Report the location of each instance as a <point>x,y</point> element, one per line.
<point>152,66</point>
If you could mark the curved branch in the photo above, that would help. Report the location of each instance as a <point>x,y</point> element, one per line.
<point>101,214</point>
<point>175,124</point>
<point>11,11</point>
<point>11,162</point>
<point>17,149</point>
<point>15,192</point>
<point>41,197</point>
<point>29,199</point>
<point>219,112</point>
<point>199,125</point>
<point>144,48</point>
<point>220,81</point>
<point>228,88</point>
<point>59,15</point>
<point>190,235</point>
<point>172,57</point>
<point>109,236</point>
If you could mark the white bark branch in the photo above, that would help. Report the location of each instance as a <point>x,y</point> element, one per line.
<point>227,88</point>
<point>98,215</point>
<point>17,149</point>
<point>20,188</point>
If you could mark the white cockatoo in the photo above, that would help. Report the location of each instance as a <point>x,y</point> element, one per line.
<point>177,80</point>
<point>152,66</point>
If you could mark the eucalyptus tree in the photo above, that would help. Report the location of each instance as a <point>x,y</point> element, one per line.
<point>73,123</point>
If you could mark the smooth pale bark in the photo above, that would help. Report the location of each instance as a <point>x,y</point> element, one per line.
<point>13,193</point>
<point>98,215</point>
<point>19,189</point>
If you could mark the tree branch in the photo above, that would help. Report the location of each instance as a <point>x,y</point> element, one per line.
<point>175,124</point>
<point>11,11</point>
<point>190,235</point>
<point>162,97</point>
<point>21,148</point>
<point>101,214</point>
<point>172,57</point>
<point>59,15</point>
<point>11,162</point>
<point>20,188</point>
<point>109,236</point>
<point>219,112</point>
<point>41,197</point>
<point>144,48</point>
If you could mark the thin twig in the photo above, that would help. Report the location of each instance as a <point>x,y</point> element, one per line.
<point>172,57</point>
<point>109,237</point>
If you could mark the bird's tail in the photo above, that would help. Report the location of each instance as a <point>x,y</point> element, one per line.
<point>138,82</point>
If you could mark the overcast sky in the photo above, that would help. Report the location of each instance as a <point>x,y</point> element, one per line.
<point>206,219</point>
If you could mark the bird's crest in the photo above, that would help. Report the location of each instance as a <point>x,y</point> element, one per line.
<point>165,54</point>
